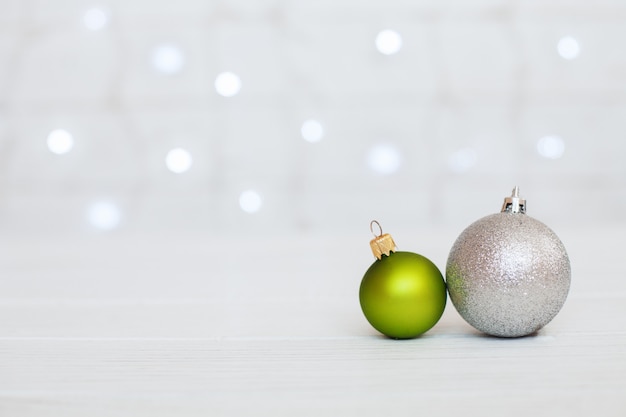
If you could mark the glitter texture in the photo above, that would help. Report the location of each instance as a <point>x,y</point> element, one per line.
<point>508,274</point>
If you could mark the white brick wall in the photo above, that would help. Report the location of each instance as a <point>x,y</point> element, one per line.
<point>474,81</point>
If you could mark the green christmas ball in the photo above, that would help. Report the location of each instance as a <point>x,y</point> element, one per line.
<point>402,294</point>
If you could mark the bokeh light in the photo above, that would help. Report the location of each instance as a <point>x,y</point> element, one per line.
<point>60,141</point>
<point>551,147</point>
<point>104,215</point>
<point>227,84</point>
<point>95,19</point>
<point>178,160</point>
<point>462,160</point>
<point>384,159</point>
<point>388,42</point>
<point>312,131</point>
<point>168,59</point>
<point>250,201</point>
<point>568,48</point>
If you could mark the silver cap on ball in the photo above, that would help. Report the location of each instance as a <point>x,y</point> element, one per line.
<point>514,204</point>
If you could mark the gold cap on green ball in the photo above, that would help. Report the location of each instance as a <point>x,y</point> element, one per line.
<point>382,244</point>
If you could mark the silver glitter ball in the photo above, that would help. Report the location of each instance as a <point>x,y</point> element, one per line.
<point>508,274</point>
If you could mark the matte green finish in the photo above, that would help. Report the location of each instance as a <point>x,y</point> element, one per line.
<point>403,295</point>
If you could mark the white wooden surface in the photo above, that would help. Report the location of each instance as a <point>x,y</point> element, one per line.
<point>194,326</point>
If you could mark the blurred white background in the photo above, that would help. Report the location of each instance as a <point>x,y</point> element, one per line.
<point>186,189</point>
<point>274,117</point>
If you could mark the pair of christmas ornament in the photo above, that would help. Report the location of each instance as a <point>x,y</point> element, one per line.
<point>507,274</point>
